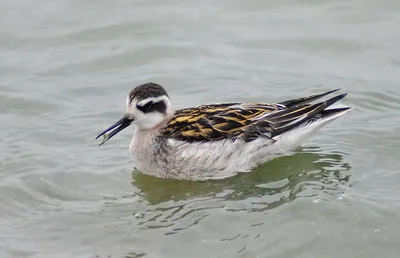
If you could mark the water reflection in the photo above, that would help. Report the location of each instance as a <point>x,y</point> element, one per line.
<point>308,172</point>
<point>173,206</point>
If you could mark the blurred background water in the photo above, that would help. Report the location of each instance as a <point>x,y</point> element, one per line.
<point>67,66</point>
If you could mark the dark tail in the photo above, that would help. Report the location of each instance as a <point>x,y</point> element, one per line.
<point>331,112</point>
<point>300,101</point>
<point>297,115</point>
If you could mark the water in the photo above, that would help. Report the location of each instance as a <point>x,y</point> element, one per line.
<point>66,67</point>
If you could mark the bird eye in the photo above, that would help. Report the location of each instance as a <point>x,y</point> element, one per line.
<point>146,106</point>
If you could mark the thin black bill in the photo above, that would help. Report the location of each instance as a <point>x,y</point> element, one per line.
<point>124,122</point>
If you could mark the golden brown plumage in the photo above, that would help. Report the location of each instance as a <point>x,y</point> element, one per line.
<point>216,121</point>
<point>247,121</point>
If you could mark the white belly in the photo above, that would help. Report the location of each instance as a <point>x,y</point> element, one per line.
<point>212,160</point>
<point>201,161</point>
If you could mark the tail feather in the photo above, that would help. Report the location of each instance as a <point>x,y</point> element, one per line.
<point>295,137</point>
<point>301,101</point>
<point>303,115</point>
<point>283,121</point>
<point>334,111</point>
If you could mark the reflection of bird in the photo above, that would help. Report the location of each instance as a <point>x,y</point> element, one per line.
<point>218,140</point>
<point>309,170</point>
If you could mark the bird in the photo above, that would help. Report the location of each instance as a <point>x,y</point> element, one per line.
<point>216,141</point>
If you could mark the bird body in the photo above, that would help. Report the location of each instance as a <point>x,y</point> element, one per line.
<point>218,140</point>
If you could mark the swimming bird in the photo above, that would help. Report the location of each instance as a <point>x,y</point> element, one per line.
<point>217,140</point>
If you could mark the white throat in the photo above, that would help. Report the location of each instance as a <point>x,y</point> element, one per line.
<point>149,121</point>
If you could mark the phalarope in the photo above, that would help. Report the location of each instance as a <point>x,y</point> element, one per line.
<point>217,140</point>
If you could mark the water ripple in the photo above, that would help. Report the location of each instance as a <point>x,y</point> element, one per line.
<point>305,174</point>
<point>65,77</point>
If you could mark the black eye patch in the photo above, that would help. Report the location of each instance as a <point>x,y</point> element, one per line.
<point>147,106</point>
<point>153,107</point>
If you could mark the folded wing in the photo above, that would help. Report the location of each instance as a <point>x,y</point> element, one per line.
<point>282,121</point>
<point>215,122</point>
<point>246,121</point>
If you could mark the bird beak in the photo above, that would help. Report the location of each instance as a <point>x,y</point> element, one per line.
<point>124,122</point>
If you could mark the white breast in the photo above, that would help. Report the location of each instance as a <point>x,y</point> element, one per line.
<point>198,161</point>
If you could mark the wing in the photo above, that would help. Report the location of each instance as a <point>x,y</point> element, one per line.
<point>247,121</point>
<point>282,121</point>
<point>216,121</point>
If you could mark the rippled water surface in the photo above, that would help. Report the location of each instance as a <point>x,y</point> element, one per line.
<point>67,66</point>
